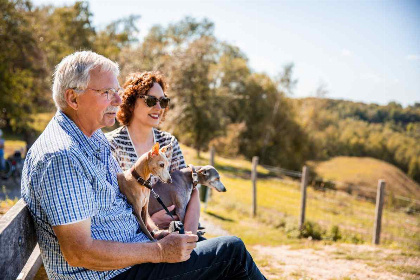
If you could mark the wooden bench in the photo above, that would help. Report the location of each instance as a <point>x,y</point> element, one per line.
<point>19,254</point>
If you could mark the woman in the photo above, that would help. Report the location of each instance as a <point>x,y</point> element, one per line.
<point>144,105</point>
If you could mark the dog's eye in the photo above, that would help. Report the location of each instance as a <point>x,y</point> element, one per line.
<point>217,179</point>
<point>162,165</point>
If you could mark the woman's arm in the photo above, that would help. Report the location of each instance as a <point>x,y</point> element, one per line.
<point>192,214</point>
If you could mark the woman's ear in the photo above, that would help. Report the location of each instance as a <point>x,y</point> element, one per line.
<point>71,98</point>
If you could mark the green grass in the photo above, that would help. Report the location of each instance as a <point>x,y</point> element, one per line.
<point>278,205</point>
<point>10,146</point>
<point>365,172</point>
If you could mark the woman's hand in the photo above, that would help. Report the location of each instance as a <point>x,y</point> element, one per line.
<point>162,220</point>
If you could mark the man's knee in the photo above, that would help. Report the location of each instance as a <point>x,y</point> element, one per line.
<point>231,245</point>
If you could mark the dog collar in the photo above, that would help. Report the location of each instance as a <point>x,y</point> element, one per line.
<point>194,176</point>
<point>140,180</point>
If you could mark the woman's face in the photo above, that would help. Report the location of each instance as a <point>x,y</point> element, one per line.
<point>149,116</point>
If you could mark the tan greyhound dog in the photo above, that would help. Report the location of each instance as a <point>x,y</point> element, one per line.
<point>132,182</point>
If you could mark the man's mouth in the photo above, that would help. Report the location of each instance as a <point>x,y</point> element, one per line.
<point>154,116</point>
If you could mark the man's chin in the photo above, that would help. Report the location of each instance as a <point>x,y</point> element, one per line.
<point>109,122</point>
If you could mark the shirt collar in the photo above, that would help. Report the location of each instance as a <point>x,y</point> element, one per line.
<point>91,144</point>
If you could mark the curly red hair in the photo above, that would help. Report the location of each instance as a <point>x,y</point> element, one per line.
<point>138,84</point>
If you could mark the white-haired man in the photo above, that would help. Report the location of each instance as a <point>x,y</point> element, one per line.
<point>85,227</point>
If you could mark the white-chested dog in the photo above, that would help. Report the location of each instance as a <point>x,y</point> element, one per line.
<point>154,162</point>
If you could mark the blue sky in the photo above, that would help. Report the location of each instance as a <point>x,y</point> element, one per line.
<point>365,51</point>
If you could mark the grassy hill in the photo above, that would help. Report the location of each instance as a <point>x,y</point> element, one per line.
<point>364,172</point>
<point>332,215</point>
<point>279,204</point>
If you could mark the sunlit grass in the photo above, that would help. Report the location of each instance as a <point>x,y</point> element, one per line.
<point>10,146</point>
<point>365,172</point>
<point>279,203</point>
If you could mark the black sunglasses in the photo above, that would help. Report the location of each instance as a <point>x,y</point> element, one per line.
<point>152,101</point>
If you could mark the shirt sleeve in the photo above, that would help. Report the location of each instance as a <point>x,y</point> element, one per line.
<point>66,195</point>
<point>177,161</point>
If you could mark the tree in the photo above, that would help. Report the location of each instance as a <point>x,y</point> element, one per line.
<point>196,116</point>
<point>22,70</point>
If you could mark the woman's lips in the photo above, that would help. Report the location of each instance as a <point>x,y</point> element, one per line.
<point>154,116</point>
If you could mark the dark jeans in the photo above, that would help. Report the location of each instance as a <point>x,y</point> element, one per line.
<point>216,258</point>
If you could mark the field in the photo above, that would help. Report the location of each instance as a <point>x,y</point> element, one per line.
<point>343,222</point>
<point>364,173</point>
<point>333,215</point>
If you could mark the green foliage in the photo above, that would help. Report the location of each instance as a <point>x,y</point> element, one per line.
<point>33,41</point>
<point>334,234</point>
<point>389,133</point>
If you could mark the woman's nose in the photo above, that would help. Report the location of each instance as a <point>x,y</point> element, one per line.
<point>158,104</point>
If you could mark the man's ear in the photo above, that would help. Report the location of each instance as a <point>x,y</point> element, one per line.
<point>71,98</point>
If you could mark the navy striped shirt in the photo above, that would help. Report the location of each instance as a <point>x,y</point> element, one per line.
<point>69,177</point>
<point>122,148</point>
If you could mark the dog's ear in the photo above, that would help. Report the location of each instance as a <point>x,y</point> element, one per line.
<point>155,149</point>
<point>202,171</point>
<point>167,150</point>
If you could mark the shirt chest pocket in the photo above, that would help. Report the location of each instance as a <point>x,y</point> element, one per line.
<point>105,192</point>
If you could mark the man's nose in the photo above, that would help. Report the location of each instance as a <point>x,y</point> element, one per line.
<point>116,99</point>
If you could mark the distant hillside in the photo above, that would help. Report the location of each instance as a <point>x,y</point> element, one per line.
<point>365,172</point>
<point>343,128</point>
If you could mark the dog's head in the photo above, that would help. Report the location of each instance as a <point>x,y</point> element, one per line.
<point>208,176</point>
<point>158,163</point>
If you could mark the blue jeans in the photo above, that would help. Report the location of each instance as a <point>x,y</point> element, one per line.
<point>216,258</point>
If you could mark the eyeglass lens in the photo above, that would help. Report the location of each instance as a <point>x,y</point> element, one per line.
<point>152,101</point>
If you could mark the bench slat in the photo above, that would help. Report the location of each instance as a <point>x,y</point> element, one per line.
<point>17,240</point>
<point>32,266</point>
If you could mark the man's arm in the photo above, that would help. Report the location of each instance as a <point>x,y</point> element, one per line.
<point>81,250</point>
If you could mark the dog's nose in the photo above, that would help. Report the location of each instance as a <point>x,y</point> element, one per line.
<point>169,181</point>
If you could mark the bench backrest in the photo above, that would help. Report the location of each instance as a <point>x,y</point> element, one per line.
<point>19,253</point>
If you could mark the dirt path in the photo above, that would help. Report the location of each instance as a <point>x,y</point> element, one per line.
<point>313,260</point>
<point>341,261</point>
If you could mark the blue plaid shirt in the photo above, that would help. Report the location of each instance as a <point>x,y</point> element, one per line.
<point>69,177</point>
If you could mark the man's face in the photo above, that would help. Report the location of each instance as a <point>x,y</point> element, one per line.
<point>94,109</point>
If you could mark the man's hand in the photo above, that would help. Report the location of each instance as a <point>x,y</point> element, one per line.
<point>162,220</point>
<point>177,247</point>
<point>160,234</point>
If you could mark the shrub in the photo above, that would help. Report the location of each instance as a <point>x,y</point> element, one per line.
<point>334,234</point>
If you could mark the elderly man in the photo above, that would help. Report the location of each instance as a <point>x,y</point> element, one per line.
<point>85,227</point>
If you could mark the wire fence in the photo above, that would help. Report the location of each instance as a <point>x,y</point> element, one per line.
<point>357,219</point>
<point>363,191</point>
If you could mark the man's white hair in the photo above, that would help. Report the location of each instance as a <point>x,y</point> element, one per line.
<point>73,72</point>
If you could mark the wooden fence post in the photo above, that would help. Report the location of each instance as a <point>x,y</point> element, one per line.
<point>303,185</point>
<point>378,211</point>
<point>254,185</point>
<point>212,154</point>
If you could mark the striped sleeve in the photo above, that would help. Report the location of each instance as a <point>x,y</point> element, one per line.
<point>177,161</point>
<point>66,195</point>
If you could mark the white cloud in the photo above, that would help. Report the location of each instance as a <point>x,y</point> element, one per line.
<point>412,57</point>
<point>346,52</point>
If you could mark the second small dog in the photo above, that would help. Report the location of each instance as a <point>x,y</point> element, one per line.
<point>178,192</point>
<point>132,181</point>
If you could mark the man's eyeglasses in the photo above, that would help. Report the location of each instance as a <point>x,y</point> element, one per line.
<point>108,92</point>
<point>152,101</point>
